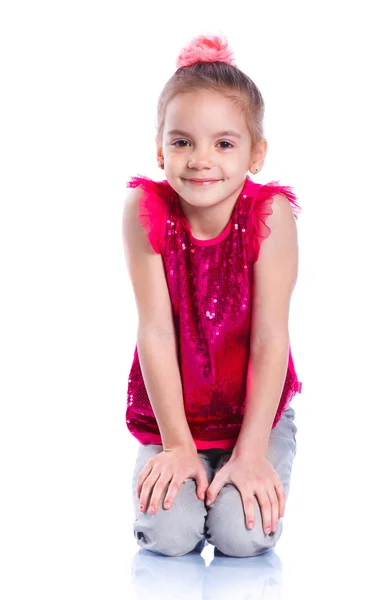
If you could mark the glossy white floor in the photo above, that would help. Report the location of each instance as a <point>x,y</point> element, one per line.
<point>67,518</point>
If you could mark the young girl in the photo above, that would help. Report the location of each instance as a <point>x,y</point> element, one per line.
<point>212,377</point>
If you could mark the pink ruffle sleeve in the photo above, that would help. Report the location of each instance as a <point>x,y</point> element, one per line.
<point>262,209</point>
<point>152,209</point>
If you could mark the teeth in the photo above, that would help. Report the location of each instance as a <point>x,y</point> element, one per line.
<point>203,182</point>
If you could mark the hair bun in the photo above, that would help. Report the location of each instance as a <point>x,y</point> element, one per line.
<point>205,49</point>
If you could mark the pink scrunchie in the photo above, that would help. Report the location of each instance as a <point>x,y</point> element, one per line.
<point>205,49</point>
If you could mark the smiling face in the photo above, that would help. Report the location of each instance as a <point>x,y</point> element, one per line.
<point>205,136</point>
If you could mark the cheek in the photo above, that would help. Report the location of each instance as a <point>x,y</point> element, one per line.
<point>176,158</point>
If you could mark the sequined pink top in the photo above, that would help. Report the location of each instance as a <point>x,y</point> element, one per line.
<point>209,283</point>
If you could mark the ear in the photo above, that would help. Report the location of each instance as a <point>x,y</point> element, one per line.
<point>258,156</point>
<point>159,150</point>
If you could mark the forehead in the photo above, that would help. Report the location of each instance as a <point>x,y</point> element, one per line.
<point>203,110</point>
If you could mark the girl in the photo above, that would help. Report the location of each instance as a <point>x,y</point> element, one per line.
<point>212,375</point>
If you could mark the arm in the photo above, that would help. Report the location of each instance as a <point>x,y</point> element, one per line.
<point>275,275</point>
<point>156,337</point>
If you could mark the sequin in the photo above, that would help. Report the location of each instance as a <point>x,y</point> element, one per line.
<point>210,287</point>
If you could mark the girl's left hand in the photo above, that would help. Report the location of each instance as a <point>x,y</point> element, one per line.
<point>253,476</point>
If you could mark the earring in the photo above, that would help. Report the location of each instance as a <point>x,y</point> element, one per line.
<point>161,163</point>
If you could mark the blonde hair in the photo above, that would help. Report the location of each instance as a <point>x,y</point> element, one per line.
<point>226,79</point>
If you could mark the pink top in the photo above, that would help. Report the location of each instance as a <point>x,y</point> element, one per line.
<point>210,287</point>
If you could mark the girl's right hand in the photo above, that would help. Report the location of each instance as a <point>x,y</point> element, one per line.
<point>173,465</point>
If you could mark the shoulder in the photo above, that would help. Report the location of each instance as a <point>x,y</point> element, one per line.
<point>276,195</point>
<point>147,184</point>
<point>154,195</point>
<point>149,202</point>
<point>281,224</point>
<point>282,213</point>
<point>274,211</point>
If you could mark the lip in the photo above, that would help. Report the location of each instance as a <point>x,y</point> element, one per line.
<point>203,182</point>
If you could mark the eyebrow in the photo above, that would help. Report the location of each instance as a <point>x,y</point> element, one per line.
<point>221,133</point>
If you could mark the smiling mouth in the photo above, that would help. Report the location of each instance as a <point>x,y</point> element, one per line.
<point>202,182</point>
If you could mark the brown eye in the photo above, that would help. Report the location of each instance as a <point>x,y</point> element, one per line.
<point>230,145</point>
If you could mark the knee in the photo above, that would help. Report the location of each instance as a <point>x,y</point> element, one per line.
<point>226,527</point>
<point>243,542</point>
<point>176,531</point>
<point>166,543</point>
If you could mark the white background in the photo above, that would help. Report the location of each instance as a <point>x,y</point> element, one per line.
<point>80,82</point>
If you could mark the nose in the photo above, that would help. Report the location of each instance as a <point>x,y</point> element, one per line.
<point>200,159</point>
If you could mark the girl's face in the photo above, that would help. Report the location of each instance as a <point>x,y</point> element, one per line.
<point>205,137</point>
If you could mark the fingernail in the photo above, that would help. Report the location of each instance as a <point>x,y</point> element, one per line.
<point>267,530</point>
<point>251,524</point>
<point>167,505</point>
<point>208,502</point>
<point>141,507</point>
<point>151,509</point>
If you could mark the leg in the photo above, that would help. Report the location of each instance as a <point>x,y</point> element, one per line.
<point>225,523</point>
<point>180,529</point>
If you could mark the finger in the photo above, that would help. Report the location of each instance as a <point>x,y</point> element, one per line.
<point>147,488</point>
<point>202,483</point>
<point>157,493</point>
<point>212,492</point>
<point>142,476</point>
<point>173,488</point>
<point>266,509</point>
<point>281,498</point>
<point>273,499</point>
<point>215,487</point>
<point>248,507</point>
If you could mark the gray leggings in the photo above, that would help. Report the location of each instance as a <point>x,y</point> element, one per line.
<point>189,522</point>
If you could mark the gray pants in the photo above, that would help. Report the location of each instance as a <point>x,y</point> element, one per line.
<point>189,522</point>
